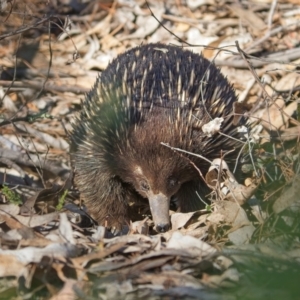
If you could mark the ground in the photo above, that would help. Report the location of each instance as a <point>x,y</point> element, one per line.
<point>51,52</point>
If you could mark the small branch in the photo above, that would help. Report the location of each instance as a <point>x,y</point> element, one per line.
<point>48,87</point>
<point>25,28</point>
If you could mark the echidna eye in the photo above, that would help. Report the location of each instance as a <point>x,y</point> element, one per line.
<point>173,182</point>
<point>144,185</point>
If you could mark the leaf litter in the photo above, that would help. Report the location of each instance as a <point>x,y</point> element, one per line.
<point>247,239</point>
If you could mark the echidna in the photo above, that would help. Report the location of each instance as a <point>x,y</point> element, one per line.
<point>149,95</point>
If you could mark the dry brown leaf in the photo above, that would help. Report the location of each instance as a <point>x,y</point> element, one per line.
<point>226,185</point>
<point>10,209</point>
<point>169,279</point>
<point>179,220</point>
<point>289,198</point>
<point>288,82</point>
<point>224,280</point>
<point>68,291</point>
<point>36,220</point>
<point>249,17</point>
<point>10,265</point>
<point>65,229</point>
<point>140,227</point>
<point>235,216</point>
<point>186,242</point>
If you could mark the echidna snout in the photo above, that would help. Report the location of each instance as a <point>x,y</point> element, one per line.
<point>159,207</point>
<point>147,96</point>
